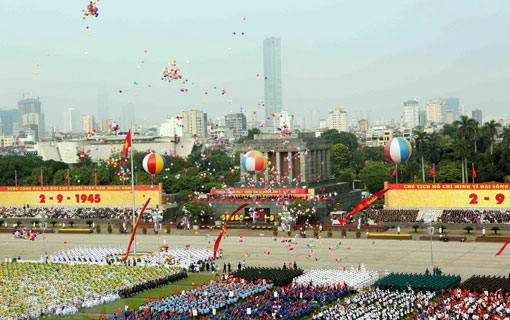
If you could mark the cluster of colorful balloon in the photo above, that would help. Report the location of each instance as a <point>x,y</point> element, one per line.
<point>26,234</point>
<point>91,10</point>
<point>114,126</point>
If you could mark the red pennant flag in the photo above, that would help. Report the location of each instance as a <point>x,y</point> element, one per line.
<point>362,205</point>
<point>433,172</point>
<point>127,145</point>
<point>394,172</point>
<point>503,247</point>
<point>474,172</point>
<point>66,180</point>
<point>41,179</point>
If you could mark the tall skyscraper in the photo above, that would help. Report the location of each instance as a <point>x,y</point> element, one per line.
<point>88,122</point>
<point>411,114</point>
<point>72,120</point>
<point>362,125</point>
<point>31,116</point>
<point>436,111</point>
<point>337,119</point>
<point>272,76</point>
<point>195,123</point>
<point>453,104</point>
<point>103,107</point>
<point>477,115</point>
<point>127,117</point>
<point>8,121</point>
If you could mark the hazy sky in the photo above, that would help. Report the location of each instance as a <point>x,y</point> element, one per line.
<point>359,55</point>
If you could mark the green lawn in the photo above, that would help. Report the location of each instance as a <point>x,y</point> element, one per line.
<point>138,300</point>
<point>472,233</point>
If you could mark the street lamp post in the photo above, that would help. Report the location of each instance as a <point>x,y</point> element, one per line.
<point>44,226</point>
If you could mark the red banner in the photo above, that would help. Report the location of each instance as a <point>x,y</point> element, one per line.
<point>503,247</point>
<point>224,229</point>
<point>362,205</point>
<point>260,191</point>
<point>134,228</point>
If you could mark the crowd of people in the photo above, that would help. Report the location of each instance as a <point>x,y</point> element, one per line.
<point>392,215</point>
<point>186,258</point>
<point>290,303</point>
<point>375,303</point>
<point>475,216</point>
<point>66,213</point>
<point>354,278</point>
<point>204,299</point>
<point>31,290</point>
<point>465,304</point>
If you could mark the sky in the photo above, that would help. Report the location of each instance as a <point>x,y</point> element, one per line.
<point>366,56</point>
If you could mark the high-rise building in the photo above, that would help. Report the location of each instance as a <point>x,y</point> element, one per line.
<point>436,111</point>
<point>8,121</point>
<point>323,123</point>
<point>272,76</point>
<point>411,114</point>
<point>423,118</point>
<point>195,123</point>
<point>477,115</point>
<point>251,119</point>
<point>103,107</point>
<point>453,104</point>
<point>127,117</point>
<point>88,122</point>
<point>72,120</point>
<point>449,117</point>
<point>235,121</point>
<point>103,125</point>
<point>337,119</point>
<point>312,120</point>
<point>173,127</point>
<point>31,116</point>
<point>362,125</point>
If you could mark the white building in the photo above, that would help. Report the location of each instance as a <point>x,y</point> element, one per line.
<point>436,111</point>
<point>72,120</point>
<point>195,123</point>
<point>172,127</point>
<point>7,141</point>
<point>283,121</point>
<point>88,122</point>
<point>411,114</point>
<point>337,119</point>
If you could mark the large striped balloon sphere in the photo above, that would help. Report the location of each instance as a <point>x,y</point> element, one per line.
<point>398,150</point>
<point>154,163</point>
<point>254,161</point>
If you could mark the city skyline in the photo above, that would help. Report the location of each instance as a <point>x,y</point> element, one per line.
<point>370,66</point>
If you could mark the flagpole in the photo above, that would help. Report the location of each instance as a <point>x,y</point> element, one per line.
<point>472,171</point>
<point>434,176</point>
<point>16,177</point>
<point>68,178</point>
<point>396,173</point>
<point>42,179</point>
<point>132,183</point>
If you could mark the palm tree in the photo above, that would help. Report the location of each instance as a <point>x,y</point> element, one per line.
<point>462,150</point>
<point>491,129</point>
<point>505,137</point>
<point>420,142</point>
<point>466,127</point>
<point>477,134</point>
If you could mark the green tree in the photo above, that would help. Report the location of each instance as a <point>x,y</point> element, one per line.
<point>346,138</point>
<point>462,149</point>
<point>340,158</point>
<point>491,130</point>
<point>373,175</point>
<point>420,145</point>
<point>505,138</point>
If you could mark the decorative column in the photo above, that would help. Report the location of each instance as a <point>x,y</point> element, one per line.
<point>278,167</point>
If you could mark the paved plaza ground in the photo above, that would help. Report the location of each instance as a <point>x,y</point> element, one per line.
<point>464,259</point>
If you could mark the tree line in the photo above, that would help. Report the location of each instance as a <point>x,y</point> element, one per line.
<point>453,150</point>
<point>199,172</point>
